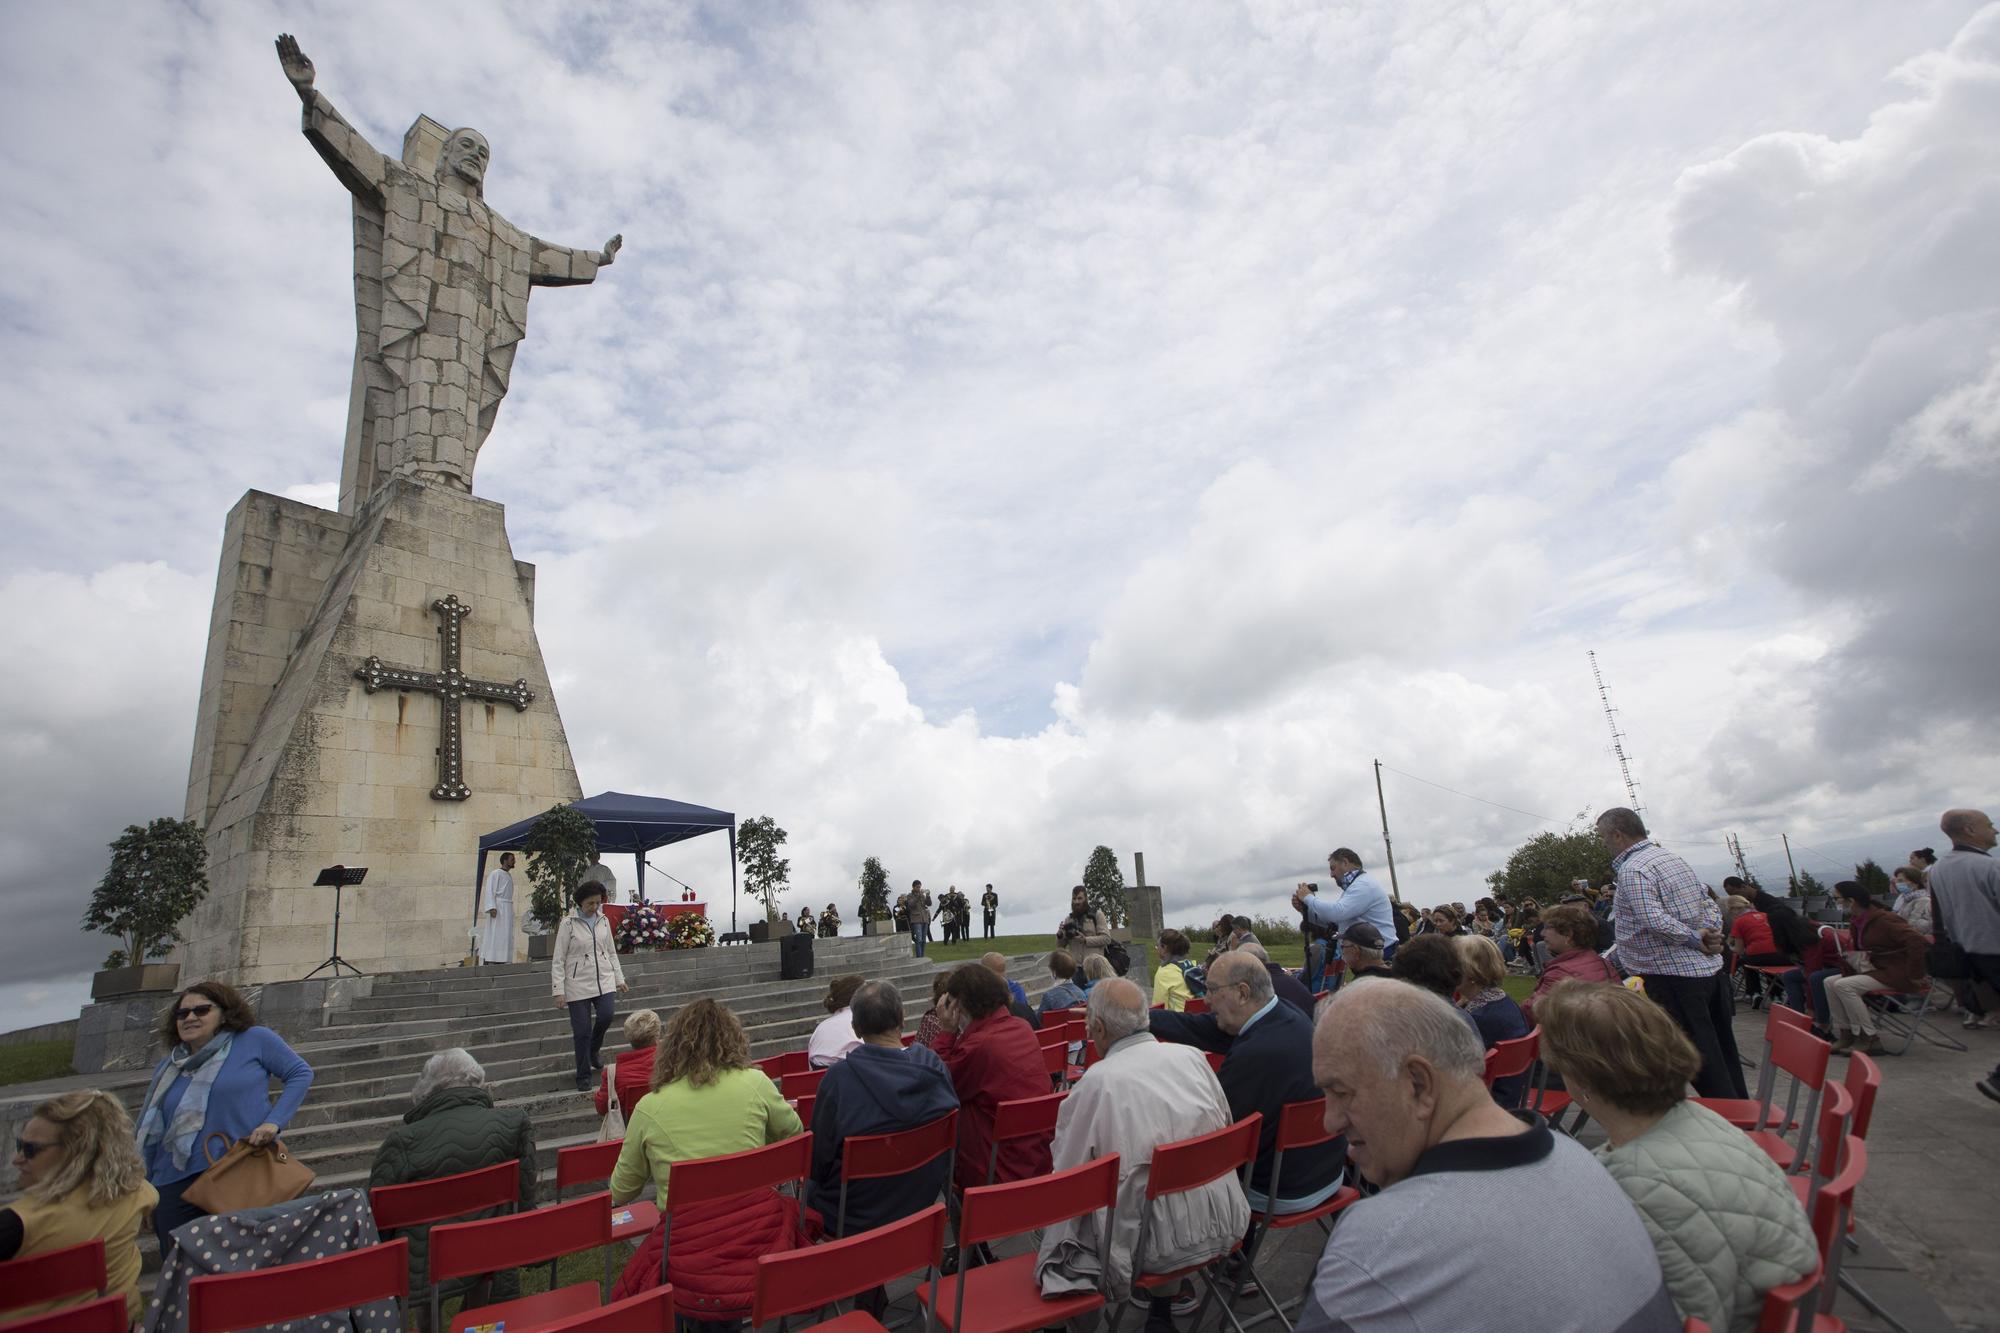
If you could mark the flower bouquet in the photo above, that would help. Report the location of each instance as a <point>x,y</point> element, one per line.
<point>690,930</point>
<point>642,928</point>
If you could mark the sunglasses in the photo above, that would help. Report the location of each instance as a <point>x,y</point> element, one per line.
<point>193,1011</point>
<point>30,1151</point>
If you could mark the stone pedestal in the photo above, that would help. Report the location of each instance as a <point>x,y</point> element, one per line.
<point>1143,915</point>
<point>297,767</point>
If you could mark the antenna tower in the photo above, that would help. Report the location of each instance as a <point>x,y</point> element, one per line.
<point>1617,736</point>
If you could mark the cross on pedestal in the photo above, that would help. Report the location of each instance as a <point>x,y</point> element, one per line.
<point>450,685</point>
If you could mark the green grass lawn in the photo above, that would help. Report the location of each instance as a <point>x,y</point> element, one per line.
<point>32,1061</point>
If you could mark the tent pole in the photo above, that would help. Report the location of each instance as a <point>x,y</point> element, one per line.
<point>478,886</point>
<point>640,858</point>
<point>732,876</point>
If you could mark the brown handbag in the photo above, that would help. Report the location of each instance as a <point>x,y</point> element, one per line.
<point>246,1176</point>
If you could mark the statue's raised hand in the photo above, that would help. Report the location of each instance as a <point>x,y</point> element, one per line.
<point>611,248</point>
<point>297,65</point>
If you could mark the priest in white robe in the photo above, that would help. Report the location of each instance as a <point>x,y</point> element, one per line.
<point>1140,1094</point>
<point>496,913</point>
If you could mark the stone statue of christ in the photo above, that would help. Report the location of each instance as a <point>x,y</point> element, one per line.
<point>441,293</point>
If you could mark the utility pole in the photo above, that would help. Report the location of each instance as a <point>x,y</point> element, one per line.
<point>1395,891</point>
<point>1788,859</point>
<point>1735,846</point>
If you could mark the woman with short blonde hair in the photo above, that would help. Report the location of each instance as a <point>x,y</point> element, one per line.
<point>82,1179</point>
<point>1720,1212</point>
<point>1491,1009</point>
<point>630,1074</point>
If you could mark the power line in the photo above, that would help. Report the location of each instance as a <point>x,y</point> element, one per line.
<point>1498,805</point>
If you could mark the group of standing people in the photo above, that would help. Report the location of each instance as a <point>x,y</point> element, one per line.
<point>827,926</point>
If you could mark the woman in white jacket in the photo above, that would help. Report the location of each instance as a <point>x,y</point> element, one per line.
<point>585,972</point>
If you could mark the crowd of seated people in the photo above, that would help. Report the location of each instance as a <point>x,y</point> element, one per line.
<point>1686,1216</point>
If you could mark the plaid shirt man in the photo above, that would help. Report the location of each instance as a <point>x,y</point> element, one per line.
<point>1660,911</point>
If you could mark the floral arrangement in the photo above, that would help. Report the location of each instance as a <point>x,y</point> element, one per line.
<point>690,930</point>
<point>642,928</point>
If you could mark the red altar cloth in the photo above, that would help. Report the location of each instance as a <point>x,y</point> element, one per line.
<point>668,911</point>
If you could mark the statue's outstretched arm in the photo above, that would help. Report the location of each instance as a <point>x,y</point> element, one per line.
<point>559,266</point>
<point>362,169</point>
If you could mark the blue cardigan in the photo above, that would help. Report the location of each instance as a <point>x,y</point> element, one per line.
<point>239,1102</point>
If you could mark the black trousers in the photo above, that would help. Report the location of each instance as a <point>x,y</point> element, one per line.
<point>588,1022</point>
<point>1706,1012</point>
<point>989,925</point>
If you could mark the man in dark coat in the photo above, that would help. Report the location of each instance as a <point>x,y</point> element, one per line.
<point>1266,1047</point>
<point>1286,986</point>
<point>455,1127</point>
<point>880,1088</point>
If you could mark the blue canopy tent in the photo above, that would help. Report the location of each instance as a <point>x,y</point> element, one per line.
<point>626,823</point>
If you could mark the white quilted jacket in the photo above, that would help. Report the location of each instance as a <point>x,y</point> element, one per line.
<point>1722,1216</point>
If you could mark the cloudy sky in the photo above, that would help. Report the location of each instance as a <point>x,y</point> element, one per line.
<point>1015,427</point>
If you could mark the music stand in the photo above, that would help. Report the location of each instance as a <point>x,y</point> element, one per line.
<point>338,877</point>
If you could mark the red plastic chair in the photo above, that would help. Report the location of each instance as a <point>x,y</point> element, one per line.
<point>800,1083</point>
<point>1196,1004</point>
<point>1055,1034</point>
<point>1755,1112</point>
<point>1788,1309</point>
<point>1508,1058</point>
<point>1804,1057</point>
<point>790,1062</point>
<point>1003,1297</point>
<point>70,1271</point>
<point>648,1312</point>
<point>1215,1059</point>
<point>820,1275</point>
<point>447,1197</point>
<point>1300,1125</point>
<point>592,1164</point>
<point>539,1235</point>
<point>1055,1059</point>
<point>1832,1212</point>
<point>729,1176</point>
<point>1835,1116</point>
<point>106,1314</point>
<point>1176,1169</point>
<point>1023,1118</point>
<point>874,1156</point>
<point>805,1106</point>
<point>225,1302</point>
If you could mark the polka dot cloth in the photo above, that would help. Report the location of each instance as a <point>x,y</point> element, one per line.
<point>285,1233</point>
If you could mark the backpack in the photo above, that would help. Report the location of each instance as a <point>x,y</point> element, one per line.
<point>1116,955</point>
<point>1197,977</point>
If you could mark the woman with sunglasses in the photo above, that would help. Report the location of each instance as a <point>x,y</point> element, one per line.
<point>81,1180</point>
<point>215,1079</point>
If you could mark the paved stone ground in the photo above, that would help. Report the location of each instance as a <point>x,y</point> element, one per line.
<point>1925,1213</point>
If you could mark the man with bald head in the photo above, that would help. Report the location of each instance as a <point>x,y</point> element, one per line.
<point>1266,1050</point>
<point>1139,1095</point>
<point>1965,909</point>
<point>1403,1080</point>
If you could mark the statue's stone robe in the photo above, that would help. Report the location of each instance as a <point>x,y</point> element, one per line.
<point>441,297</point>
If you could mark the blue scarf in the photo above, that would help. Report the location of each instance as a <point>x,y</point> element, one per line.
<point>191,1114</point>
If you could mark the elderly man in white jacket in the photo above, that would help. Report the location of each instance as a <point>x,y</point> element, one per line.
<point>1140,1094</point>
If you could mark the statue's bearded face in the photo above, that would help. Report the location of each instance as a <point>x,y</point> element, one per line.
<point>465,155</point>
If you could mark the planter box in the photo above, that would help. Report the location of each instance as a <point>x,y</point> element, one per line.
<point>541,948</point>
<point>760,932</point>
<point>874,928</point>
<point>117,981</point>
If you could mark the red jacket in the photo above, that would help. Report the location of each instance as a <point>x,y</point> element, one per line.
<point>715,1250</point>
<point>1576,965</point>
<point>996,1059</point>
<point>633,1073</point>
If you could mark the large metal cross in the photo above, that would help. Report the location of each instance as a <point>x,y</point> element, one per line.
<point>451,685</point>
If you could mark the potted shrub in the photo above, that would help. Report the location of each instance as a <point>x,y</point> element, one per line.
<point>874,885</point>
<point>765,873</point>
<point>157,876</point>
<point>559,849</point>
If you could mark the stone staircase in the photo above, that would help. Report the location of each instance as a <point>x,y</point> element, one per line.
<point>367,1055</point>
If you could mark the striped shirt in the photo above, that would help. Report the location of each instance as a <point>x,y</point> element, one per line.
<point>1660,910</point>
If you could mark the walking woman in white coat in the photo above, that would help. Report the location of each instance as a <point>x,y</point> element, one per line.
<point>585,972</point>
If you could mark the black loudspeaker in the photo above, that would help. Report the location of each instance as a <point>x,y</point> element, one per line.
<point>795,957</point>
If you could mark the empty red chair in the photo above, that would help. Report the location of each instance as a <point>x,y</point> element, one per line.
<point>1832,1212</point>
<point>1804,1057</point>
<point>1756,1112</point>
<point>1178,1168</point>
<point>70,1271</point>
<point>1023,1118</point>
<point>648,1312</point>
<point>790,1062</point>
<point>540,1235</point>
<point>592,1164</point>
<point>1835,1115</point>
<point>1002,1297</point>
<point>805,1106</point>
<point>1300,1125</point>
<point>1508,1058</point>
<point>800,1083</point>
<point>874,1156</point>
<point>106,1314</point>
<point>1055,1059</point>
<point>447,1197</point>
<point>225,1302</point>
<point>808,1279</point>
